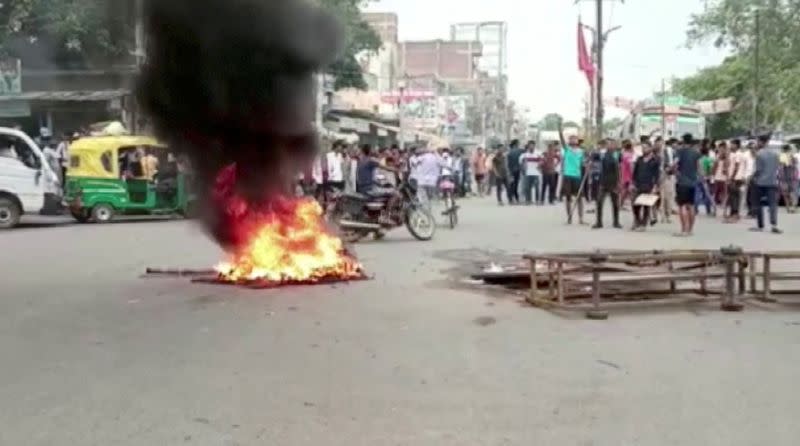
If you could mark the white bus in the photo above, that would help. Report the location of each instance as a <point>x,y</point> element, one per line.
<point>678,120</point>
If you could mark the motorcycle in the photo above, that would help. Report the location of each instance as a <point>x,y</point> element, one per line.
<point>359,215</point>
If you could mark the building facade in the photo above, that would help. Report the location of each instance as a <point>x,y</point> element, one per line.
<point>384,23</point>
<point>444,60</point>
<point>493,37</point>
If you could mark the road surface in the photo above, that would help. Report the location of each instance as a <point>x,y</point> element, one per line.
<point>95,355</point>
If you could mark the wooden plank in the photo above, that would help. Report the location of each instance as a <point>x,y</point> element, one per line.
<point>632,278</point>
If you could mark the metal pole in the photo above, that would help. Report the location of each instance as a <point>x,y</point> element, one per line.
<point>139,32</point>
<point>320,101</point>
<point>599,86</point>
<point>756,81</point>
<point>663,109</point>
<point>401,121</point>
<point>139,42</point>
<point>592,90</point>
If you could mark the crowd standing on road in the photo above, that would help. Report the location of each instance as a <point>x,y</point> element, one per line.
<point>655,178</point>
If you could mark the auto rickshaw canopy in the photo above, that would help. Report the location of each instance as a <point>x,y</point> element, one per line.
<point>97,156</point>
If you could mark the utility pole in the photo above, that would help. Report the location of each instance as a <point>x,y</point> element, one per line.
<point>663,109</point>
<point>756,80</point>
<point>130,113</point>
<point>594,98</point>
<point>139,32</point>
<point>599,82</point>
<point>400,108</point>
<point>600,38</point>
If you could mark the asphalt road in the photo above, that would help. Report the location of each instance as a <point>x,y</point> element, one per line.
<point>93,354</point>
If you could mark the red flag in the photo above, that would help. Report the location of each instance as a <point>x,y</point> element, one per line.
<point>584,59</point>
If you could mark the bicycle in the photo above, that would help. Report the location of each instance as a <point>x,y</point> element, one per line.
<point>447,190</point>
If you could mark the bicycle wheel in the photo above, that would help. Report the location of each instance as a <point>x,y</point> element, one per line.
<point>450,206</point>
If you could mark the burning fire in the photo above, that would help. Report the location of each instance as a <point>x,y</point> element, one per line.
<point>287,242</point>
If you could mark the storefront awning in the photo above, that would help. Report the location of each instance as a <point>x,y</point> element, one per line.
<point>67,96</point>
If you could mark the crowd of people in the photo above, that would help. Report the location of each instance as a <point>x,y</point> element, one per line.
<point>369,170</point>
<point>657,178</point>
<point>653,177</point>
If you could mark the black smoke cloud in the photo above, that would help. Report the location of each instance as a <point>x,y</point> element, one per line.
<point>231,81</point>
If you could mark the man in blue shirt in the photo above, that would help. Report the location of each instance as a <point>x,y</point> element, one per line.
<point>365,173</point>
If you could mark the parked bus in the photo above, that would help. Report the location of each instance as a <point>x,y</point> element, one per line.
<point>678,119</point>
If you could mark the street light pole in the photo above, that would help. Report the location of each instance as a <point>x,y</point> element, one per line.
<point>756,80</point>
<point>663,109</point>
<point>599,82</point>
<point>594,97</point>
<point>400,118</point>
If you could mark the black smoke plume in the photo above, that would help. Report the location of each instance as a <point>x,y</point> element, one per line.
<point>231,81</point>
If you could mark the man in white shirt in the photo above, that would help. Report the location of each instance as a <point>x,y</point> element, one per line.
<point>51,156</point>
<point>62,150</point>
<point>334,166</point>
<point>429,168</point>
<point>530,162</point>
<point>741,168</point>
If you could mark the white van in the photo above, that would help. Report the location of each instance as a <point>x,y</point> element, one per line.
<point>28,184</point>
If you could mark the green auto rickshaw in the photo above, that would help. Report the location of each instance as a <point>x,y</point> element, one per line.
<point>125,175</point>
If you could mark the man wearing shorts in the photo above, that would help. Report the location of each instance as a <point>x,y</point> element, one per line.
<point>687,165</point>
<point>572,165</point>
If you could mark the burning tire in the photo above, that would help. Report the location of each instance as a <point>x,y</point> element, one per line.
<point>420,223</point>
<point>102,213</point>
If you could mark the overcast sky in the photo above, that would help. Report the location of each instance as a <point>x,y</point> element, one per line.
<point>542,54</point>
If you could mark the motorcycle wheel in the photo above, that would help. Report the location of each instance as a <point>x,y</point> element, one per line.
<point>420,223</point>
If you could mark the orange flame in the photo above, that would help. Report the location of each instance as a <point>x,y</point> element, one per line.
<point>292,245</point>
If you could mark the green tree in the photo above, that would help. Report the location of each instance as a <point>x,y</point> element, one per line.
<point>68,31</point>
<point>732,24</point>
<point>729,79</point>
<point>359,37</point>
<point>610,126</point>
<point>550,122</point>
<point>96,31</point>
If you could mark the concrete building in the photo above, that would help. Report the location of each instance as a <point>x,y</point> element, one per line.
<point>384,23</point>
<point>493,37</point>
<point>492,106</point>
<point>443,60</point>
<point>380,68</point>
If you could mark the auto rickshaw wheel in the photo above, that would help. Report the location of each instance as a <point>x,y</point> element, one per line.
<point>80,215</point>
<point>102,213</point>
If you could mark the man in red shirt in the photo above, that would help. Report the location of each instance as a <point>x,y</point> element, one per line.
<point>550,173</point>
